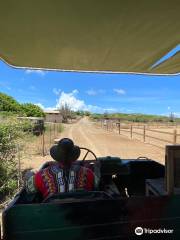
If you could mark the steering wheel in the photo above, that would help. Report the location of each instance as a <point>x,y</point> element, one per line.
<point>77,195</point>
<point>87,152</point>
<point>83,160</point>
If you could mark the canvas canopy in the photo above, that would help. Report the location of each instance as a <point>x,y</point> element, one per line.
<point>90,35</point>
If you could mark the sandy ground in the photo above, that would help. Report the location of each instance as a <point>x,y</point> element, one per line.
<point>86,134</point>
<point>103,143</point>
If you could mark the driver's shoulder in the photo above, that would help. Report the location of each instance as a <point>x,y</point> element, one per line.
<point>49,167</point>
<point>86,170</point>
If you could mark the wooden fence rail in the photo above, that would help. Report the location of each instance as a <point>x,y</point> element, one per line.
<point>132,130</point>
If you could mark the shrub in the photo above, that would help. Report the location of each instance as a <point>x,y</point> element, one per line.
<point>10,132</point>
<point>31,110</point>
<point>9,104</point>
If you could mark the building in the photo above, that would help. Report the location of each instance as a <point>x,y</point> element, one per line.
<point>53,116</point>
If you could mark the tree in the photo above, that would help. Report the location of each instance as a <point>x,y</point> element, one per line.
<point>9,104</point>
<point>105,115</point>
<point>31,110</point>
<point>171,117</point>
<point>66,113</point>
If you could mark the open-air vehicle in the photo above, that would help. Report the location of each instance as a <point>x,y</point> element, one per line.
<point>118,36</point>
<point>114,210</point>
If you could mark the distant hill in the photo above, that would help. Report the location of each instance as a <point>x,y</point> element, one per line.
<point>137,117</point>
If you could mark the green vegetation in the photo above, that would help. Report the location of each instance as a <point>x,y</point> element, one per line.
<point>83,113</point>
<point>136,117</point>
<point>31,110</point>
<point>9,106</point>
<point>10,133</point>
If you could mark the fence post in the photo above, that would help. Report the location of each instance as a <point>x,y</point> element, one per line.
<point>131,131</point>
<point>144,133</point>
<point>54,131</point>
<point>119,125</point>
<point>175,136</point>
<point>50,134</point>
<point>43,152</point>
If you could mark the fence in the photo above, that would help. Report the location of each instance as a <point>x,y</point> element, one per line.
<point>38,142</point>
<point>146,133</point>
<point>34,145</point>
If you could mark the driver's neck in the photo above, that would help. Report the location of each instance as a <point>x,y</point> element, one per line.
<point>65,166</point>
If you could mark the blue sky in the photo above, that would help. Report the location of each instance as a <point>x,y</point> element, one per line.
<point>128,93</point>
<point>167,56</point>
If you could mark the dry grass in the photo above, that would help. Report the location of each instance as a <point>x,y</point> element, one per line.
<point>35,149</point>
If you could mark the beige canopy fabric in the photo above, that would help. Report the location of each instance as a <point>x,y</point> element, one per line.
<point>90,35</point>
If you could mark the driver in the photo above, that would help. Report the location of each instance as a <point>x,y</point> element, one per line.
<point>63,175</point>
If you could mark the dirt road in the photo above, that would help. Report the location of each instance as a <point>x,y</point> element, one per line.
<point>86,134</point>
<point>103,143</point>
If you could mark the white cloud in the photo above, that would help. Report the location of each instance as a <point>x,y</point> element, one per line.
<point>40,72</point>
<point>169,108</point>
<point>56,91</point>
<point>75,91</point>
<point>177,114</point>
<point>93,92</point>
<point>119,91</point>
<point>76,104</point>
<point>43,107</point>
<point>71,100</point>
<point>40,105</point>
<point>110,110</point>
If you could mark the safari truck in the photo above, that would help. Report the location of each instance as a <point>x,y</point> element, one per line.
<point>135,198</point>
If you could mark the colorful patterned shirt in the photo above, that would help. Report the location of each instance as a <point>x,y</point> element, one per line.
<point>56,179</point>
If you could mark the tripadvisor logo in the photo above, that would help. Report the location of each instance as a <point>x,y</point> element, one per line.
<point>139,231</point>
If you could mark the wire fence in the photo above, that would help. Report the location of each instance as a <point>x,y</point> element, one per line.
<point>34,145</point>
<point>39,141</point>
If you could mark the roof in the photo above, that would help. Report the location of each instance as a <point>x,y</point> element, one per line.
<point>31,118</point>
<point>51,112</point>
<point>91,35</point>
